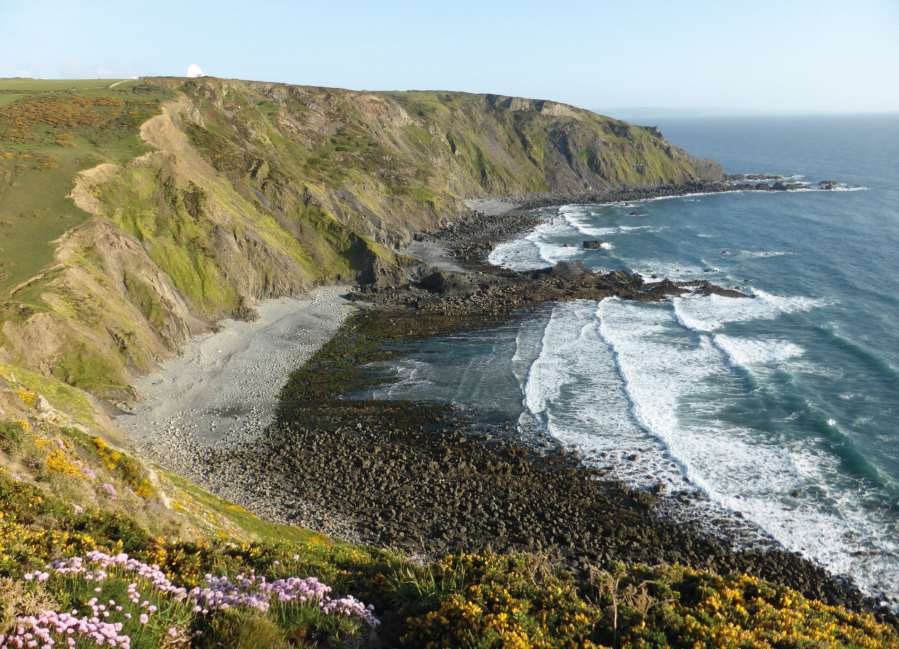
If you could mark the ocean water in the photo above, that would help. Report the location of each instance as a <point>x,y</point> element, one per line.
<point>782,407</point>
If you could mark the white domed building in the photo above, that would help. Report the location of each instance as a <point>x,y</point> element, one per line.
<point>194,71</point>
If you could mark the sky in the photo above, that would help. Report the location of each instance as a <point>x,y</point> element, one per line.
<point>784,56</point>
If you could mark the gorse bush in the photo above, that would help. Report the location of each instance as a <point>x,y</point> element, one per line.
<point>81,576</point>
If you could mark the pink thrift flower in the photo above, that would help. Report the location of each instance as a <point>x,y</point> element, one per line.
<point>144,618</point>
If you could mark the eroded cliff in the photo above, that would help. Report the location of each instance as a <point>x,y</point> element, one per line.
<point>241,191</point>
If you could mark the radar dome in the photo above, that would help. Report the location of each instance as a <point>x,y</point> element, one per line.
<point>194,71</point>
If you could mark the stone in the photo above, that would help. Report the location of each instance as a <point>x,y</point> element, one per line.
<point>569,269</point>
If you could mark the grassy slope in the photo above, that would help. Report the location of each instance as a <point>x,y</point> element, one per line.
<point>46,138</point>
<point>52,85</point>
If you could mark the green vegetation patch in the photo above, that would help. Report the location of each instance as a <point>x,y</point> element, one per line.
<point>60,395</point>
<point>46,139</point>
<point>246,521</point>
<point>53,85</point>
<point>10,97</point>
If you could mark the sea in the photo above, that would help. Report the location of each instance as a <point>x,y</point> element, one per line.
<point>781,409</point>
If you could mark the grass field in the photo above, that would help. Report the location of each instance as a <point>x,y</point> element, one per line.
<point>54,85</point>
<point>10,98</point>
<point>46,137</point>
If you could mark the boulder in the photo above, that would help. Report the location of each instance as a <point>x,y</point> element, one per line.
<point>447,282</point>
<point>569,269</point>
<point>592,245</point>
<point>636,213</point>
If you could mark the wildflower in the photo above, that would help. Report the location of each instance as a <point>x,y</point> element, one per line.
<point>78,509</point>
<point>144,618</point>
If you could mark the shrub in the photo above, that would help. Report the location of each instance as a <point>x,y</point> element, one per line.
<point>11,436</point>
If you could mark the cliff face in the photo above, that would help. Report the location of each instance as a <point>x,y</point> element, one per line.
<point>249,190</point>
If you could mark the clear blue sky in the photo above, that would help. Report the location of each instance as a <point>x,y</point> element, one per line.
<point>802,55</point>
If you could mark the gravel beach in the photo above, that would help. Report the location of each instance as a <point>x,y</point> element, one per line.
<point>223,390</point>
<point>491,206</point>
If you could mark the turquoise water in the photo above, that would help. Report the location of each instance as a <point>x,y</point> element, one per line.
<point>795,391</point>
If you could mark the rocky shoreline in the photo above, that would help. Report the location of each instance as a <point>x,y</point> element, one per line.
<point>427,478</point>
<point>622,194</point>
<point>732,183</point>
